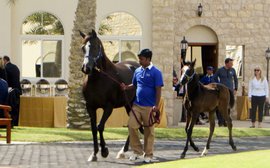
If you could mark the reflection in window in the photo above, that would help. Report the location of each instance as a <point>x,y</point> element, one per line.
<point>111,48</point>
<point>30,58</point>
<point>41,59</point>
<point>195,52</point>
<point>42,23</point>
<point>120,23</point>
<point>42,46</point>
<point>236,53</point>
<point>121,36</point>
<point>52,63</point>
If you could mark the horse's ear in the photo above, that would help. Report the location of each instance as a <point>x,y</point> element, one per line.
<point>183,62</point>
<point>193,63</point>
<point>94,34</point>
<point>82,34</point>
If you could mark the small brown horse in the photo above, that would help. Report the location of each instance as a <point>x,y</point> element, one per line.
<point>102,89</point>
<point>204,99</point>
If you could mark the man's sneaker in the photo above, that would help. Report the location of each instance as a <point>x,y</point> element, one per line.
<point>147,159</point>
<point>134,157</point>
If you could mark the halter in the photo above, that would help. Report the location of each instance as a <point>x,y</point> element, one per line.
<point>189,78</point>
<point>95,59</point>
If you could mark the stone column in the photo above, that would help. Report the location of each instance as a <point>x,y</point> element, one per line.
<point>162,44</point>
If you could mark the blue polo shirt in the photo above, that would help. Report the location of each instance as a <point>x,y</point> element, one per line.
<point>146,80</point>
<point>207,79</point>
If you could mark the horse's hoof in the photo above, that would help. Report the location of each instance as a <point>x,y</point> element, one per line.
<point>92,158</point>
<point>203,155</point>
<point>182,156</point>
<point>120,156</point>
<point>205,151</point>
<point>105,152</point>
<point>234,148</point>
<point>197,149</point>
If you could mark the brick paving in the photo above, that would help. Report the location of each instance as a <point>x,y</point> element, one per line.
<point>75,154</point>
<point>70,155</point>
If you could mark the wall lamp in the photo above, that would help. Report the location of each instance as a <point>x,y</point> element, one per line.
<point>200,10</point>
<point>183,46</point>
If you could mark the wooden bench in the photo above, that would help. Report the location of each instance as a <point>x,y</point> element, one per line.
<point>6,122</point>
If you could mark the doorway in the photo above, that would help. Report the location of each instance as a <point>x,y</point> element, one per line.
<point>205,55</point>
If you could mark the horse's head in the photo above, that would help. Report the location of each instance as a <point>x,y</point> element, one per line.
<point>93,52</point>
<point>188,72</point>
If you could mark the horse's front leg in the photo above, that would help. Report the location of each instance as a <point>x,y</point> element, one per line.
<point>106,114</point>
<point>230,125</point>
<point>212,129</point>
<point>189,134</point>
<point>188,119</point>
<point>192,144</point>
<point>93,116</point>
<point>121,153</point>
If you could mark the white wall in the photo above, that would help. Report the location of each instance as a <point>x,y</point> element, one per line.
<point>10,29</point>
<point>140,9</point>
<point>5,31</point>
<point>63,9</point>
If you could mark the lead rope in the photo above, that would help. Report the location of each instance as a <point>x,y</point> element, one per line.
<point>151,121</point>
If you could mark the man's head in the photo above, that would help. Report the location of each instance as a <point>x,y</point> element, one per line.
<point>145,57</point>
<point>228,63</point>
<point>209,70</point>
<point>6,59</point>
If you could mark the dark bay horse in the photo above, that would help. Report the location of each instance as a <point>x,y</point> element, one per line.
<point>199,99</point>
<point>102,89</point>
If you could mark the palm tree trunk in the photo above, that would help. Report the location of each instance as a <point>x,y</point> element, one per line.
<point>85,21</point>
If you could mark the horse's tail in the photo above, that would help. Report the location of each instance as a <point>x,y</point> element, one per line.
<point>232,101</point>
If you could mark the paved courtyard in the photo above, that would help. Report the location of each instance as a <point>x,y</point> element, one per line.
<point>75,154</point>
<point>70,155</point>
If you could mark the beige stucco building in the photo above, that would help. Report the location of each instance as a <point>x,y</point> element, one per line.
<point>240,29</point>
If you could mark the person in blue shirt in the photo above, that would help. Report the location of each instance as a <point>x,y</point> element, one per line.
<point>148,82</point>
<point>208,78</point>
<point>227,76</point>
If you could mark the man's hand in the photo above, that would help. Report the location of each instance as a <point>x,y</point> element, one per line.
<point>155,108</point>
<point>123,86</point>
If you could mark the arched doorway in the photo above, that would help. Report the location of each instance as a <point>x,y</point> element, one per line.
<point>203,46</point>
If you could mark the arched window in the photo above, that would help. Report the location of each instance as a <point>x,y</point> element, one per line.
<point>121,34</point>
<point>42,46</point>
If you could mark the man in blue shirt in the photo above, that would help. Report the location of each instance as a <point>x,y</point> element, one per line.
<point>148,81</point>
<point>227,76</point>
<point>208,78</point>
